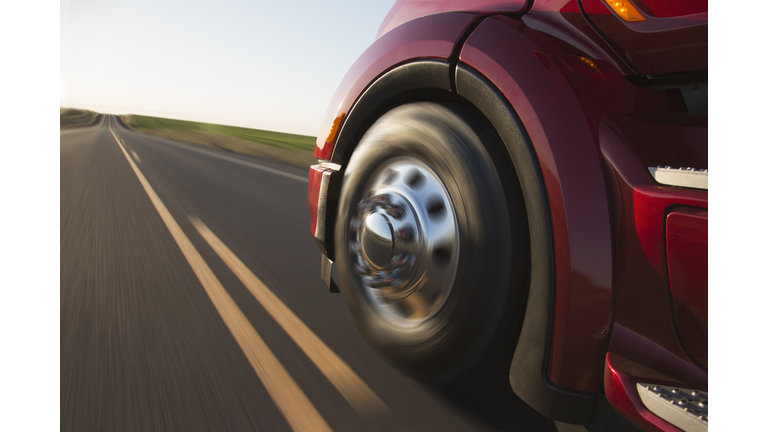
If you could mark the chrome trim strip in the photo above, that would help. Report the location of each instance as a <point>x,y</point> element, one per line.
<point>328,165</point>
<point>681,177</point>
<point>321,204</point>
<point>328,170</point>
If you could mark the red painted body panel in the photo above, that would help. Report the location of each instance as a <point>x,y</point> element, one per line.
<point>565,147</point>
<point>656,45</point>
<point>548,82</point>
<point>428,37</point>
<point>688,278</point>
<point>644,328</point>
<point>408,10</point>
<point>670,9</point>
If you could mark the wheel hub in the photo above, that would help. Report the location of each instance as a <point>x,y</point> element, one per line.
<point>404,241</point>
<point>376,240</point>
<point>387,242</point>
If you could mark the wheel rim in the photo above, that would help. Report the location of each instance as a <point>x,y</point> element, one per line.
<point>404,242</point>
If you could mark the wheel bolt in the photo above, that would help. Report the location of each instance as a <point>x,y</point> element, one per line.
<point>394,210</point>
<point>405,233</point>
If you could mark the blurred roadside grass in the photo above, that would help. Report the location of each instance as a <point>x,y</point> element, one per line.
<point>290,148</point>
<point>70,118</point>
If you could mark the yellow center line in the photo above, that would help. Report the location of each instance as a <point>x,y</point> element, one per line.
<point>346,381</point>
<point>290,400</point>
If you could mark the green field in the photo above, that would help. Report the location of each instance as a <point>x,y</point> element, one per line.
<point>70,118</point>
<point>291,148</point>
<point>277,139</point>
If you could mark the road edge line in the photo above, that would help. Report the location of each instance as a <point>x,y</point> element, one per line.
<point>231,159</point>
<point>296,408</point>
<point>336,370</point>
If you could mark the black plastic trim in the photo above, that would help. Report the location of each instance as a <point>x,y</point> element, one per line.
<point>528,371</point>
<point>606,419</point>
<point>691,85</point>
<point>382,95</point>
<point>419,80</point>
<point>454,58</point>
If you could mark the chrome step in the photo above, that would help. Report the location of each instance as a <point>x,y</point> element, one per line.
<point>681,177</point>
<point>684,408</point>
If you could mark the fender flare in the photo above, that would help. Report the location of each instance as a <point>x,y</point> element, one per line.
<point>429,78</point>
<point>528,372</point>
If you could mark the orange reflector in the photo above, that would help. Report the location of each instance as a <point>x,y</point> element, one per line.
<point>335,128</point>
<point>626,10</point>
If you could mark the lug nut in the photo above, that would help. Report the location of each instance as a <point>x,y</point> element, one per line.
<point>406,233</point>
<point>394,210</point>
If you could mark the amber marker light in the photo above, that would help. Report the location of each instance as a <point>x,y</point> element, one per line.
<point>334,128</point>
<point>626,10</point>
<point>589,62</point>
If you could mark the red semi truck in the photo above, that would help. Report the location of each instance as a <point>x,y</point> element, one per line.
<point>523,184</point>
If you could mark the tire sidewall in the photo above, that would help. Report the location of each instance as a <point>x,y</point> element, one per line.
<point>472,321</point>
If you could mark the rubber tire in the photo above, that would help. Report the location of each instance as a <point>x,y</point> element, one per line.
<point>474,331</point>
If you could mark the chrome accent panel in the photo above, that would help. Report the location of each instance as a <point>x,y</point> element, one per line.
<point>322,202</point>
<point>328,165</point>
<point>326,273</point>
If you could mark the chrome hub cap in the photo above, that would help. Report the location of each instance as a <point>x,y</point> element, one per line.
<point>404,242</point>
<point>377,240</point>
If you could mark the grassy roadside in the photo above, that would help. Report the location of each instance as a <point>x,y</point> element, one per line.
<point>70,118</point>
<point>291,148</point>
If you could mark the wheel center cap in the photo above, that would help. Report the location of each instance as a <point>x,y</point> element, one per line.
<point>377,240</point>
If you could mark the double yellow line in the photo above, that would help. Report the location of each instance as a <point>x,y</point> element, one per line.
<point>289,398</point>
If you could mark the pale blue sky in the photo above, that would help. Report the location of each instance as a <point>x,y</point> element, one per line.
<point>267,65</point>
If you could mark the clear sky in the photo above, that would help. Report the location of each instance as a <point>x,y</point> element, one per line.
<point>267,65</point>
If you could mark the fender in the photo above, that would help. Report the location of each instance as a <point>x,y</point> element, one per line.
<point>429,78</point>
<point>528,373</point>
<point>560,87</point>
<point>429,37</point>
<point>404,10</point>
<point>551,112</point>
<point>557,89</point>
<point>423,45</point>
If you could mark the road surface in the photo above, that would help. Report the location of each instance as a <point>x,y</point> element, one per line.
<point>191,300</point>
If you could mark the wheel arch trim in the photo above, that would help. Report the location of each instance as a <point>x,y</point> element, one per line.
<point>427,37</point>
<point>528,372</point>
<point>393,88</point>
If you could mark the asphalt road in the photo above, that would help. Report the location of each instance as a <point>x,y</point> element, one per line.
<point>165,329</point>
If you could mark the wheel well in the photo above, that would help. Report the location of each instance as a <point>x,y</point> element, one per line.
<point>464,108</point>
<point>512,151</point>
<point>421,81</point>
<point>492,141</point>
<point>436,95</point>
